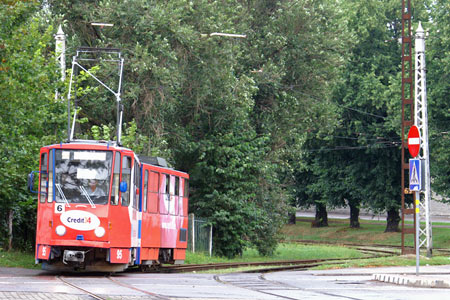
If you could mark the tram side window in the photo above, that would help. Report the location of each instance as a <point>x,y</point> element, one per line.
<point>44,178</point>
<point>50,177</point>
<point>167,188</point>
<point>145,191</point>
<point>185,197</point>
<point>177,186</point>
<point>126,176</point>
<point>116,180</point>
<point>186,188</point>
<point>136,184</point>
<point>154,192</point>
<point>177,203</point>
<point>164,205</point>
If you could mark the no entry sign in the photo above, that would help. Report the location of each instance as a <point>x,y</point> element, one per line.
<point>414,141</point>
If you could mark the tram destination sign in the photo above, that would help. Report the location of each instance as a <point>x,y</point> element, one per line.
<point>414,141</point>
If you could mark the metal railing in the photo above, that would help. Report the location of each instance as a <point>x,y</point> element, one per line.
<point>199,235</point>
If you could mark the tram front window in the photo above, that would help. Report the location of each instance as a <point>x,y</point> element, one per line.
<point>82,176</point>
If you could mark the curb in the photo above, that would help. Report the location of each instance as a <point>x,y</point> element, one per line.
<point>415,281</point>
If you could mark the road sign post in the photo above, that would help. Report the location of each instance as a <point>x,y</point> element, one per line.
<point>415,184</point>
<point>417,199</point>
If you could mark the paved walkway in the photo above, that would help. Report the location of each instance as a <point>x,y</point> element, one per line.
<point>40,296</point>
<point>428,277</point>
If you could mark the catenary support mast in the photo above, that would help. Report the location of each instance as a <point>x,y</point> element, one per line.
<point>421,121</point>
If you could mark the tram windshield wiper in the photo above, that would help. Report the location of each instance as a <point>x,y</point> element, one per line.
<point>84,192</point>
<point>58,187</point>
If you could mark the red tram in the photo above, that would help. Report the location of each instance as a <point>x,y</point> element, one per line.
<point>103,208</point>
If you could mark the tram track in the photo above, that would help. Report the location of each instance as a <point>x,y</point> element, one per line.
<point>356,245</point>
<point>255,267</point>
<point>272,266</point>
<point>154,296</point>
<point>72,285</point>
<point>145,294</point>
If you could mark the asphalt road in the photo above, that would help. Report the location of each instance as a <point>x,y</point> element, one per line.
<point>329,284</point>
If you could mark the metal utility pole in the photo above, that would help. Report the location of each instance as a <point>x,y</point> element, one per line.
<point>60,51</point>
<point>407,115</point>
<point>421,121</point>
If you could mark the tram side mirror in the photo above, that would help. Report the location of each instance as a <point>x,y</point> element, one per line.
<point>31,181</point>
<point>123,187</point>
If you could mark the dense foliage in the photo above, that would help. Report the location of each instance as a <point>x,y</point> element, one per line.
<point>304,111</point>
<point>30,117</point>
<point>231,112</point>
<point>438,84</point>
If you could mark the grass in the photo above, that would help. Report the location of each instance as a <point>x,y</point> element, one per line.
<point>338,232</point>
<point>284,251</point>
<point>371,232</point>
<point>17,259</point>
<point>406,260</point>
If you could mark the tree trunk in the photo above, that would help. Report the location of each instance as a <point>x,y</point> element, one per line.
<point>393,219</point>
<point>354,215</point>
<point>292,219</point>
<point>321,219</point>
<point>10,229</point>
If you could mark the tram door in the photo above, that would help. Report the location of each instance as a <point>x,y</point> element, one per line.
<point>119,210</point>
<point>45,204</point>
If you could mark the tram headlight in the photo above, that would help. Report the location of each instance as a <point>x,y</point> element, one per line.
<point>99,231</point>
<point>60,230</point>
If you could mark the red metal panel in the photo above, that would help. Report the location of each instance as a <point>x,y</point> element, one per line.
<point>151,230</point>
<point>151,222</point>
<point>43,252</point>
<point>149,253</point>
<point>119,256</point>
<point>169,232</point>
<point>179,254</point>
<point>95,244</point>
<point>182,223</point>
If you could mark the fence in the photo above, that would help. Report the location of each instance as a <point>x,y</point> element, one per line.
<point>199,235</point>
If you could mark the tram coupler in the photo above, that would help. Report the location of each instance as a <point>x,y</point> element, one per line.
<point>73,256</point>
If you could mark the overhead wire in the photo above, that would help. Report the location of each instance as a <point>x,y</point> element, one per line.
<point>347,148</point>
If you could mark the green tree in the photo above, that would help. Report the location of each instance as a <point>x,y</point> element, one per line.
<point>438,85</point>
<point>30,115</point>
<point>230,112</point>
<point>294,75</point>
<point>358,162</point>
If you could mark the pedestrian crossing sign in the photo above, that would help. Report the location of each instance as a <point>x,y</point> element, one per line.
<point>415,172</point>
